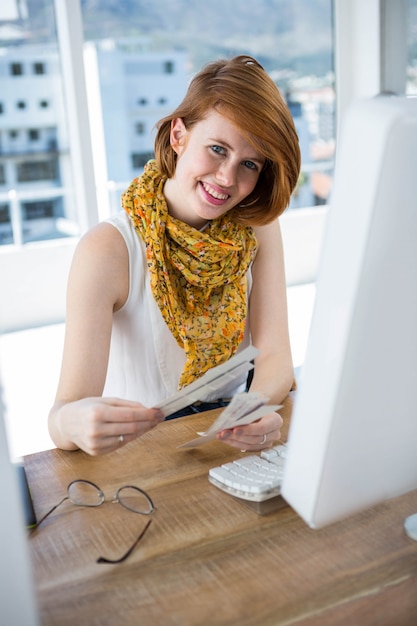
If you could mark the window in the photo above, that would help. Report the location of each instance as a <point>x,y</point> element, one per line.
<point>30,171</point>
<point>38,210</point>
<point>16,69</point>
<point>171,49</point>
<point>43,130</point>
<point>139,160</point>
<point>4,214</point>
<point>140,128</point>
<point>168,67</point>
<point>39,68</point>
<point>158,56</point>
<point>33,134</point>
<point>6,234</point>
<point>1,107</point>
<point>412,48</point>
<point>2,174</point>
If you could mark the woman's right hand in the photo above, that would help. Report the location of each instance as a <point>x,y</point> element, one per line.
<point>100,425</point>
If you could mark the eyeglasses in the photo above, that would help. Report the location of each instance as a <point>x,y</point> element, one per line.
<point>86,493</point>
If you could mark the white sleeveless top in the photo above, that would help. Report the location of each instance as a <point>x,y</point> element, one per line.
<point>145,361</point>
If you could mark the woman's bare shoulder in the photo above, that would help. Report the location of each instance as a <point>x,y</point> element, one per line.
<point>101,261</point>
<point>103,237</point>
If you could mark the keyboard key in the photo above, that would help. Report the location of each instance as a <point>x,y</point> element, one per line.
<point>276,454</point>
<point>252,477</point>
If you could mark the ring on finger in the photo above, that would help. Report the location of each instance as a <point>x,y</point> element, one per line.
<point>121,438</point>
<point>263,440</point>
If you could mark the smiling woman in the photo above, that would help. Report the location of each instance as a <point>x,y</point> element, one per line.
<point>131,84</point>
<point>174,275</point>
<point>237,103</point>
<point>153,72</point>
<point>216,166</point>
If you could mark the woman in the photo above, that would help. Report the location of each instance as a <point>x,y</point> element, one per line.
<point>189,272</point>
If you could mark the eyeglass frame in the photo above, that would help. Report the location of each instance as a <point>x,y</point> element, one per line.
<point>115,500</point>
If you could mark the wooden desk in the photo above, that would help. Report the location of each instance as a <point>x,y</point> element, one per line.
<point>207,559</point>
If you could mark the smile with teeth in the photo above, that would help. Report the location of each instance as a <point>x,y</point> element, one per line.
<point>215,194</point>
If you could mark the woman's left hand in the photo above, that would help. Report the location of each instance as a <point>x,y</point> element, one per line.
<point>259,435</point>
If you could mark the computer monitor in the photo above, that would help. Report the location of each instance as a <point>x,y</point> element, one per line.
<point>17,595</point>
<point>353,434</point>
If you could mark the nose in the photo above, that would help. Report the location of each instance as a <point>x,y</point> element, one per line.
<point>226,173</point>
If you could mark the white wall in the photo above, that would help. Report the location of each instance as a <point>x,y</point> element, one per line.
<point>33,281</point>
<point>302,234</point>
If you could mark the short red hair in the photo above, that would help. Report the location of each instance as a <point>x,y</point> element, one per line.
<point>241,90</point>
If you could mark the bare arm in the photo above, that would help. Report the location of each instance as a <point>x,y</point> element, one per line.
<point>274,373</point>
<point>97,287</point>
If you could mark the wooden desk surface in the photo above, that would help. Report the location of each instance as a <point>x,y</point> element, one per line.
<point>207,558</point>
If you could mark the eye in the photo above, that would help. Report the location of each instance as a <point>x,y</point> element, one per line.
<point>218,149</point>
<point>250,165</point>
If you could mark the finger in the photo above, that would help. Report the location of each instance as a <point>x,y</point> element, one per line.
<point>103,445</point>
<point>126,428</point>
<point>106,436</point>
<point>133,413</point>
<point>250,439</point>
<point>261,443</point>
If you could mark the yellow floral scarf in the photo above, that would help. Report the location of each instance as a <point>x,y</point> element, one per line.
<point>198,279</point>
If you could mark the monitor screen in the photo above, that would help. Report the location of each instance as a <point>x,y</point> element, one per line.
<point>353,434</point>
<point>18,603</point>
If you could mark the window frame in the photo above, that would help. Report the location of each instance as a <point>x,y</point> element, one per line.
<point>366,33</point>
<point>369,50</point>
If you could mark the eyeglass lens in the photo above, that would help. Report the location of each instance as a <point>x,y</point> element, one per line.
<point>134,499</point>
<point>84,493</point>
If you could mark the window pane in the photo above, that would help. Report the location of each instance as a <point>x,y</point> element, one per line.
<point>412,48</point>
<point>144,55</point>
<point>36,177</point>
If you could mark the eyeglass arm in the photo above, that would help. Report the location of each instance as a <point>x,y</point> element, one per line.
<point>102,559</point>
<point>39,522</point>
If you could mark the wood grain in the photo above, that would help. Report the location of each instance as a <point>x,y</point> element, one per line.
<point>207,558</point>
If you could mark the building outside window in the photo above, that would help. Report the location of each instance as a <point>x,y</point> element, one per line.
<point>146,60</point>
<point>34,123</point>
<point>154,53</point>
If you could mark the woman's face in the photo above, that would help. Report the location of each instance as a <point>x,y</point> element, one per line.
<point>216,169</point>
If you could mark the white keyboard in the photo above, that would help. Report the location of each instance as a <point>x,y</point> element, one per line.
<point>254,477</point>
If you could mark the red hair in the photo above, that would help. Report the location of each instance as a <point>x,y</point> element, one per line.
<point>241,90</point>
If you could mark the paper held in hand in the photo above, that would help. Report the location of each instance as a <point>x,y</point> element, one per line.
<point>210,382</point>
<point>244,408</point>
